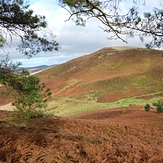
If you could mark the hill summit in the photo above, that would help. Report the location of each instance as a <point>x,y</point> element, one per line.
<point>108,74</point>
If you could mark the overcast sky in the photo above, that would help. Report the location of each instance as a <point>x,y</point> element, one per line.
<point>74,40</point>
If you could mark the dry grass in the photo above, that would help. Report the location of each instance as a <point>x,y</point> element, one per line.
<point>117,135</point>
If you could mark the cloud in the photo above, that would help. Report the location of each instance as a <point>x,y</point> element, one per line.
<point>74,40</point>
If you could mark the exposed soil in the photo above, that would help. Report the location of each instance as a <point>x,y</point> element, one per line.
<point>124,135</point>
<point>3,98</point>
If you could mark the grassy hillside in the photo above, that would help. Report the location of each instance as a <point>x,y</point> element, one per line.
<point>109,74</point>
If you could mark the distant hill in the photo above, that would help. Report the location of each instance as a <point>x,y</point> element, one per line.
<point>37,68</point>
<point>108,74</point>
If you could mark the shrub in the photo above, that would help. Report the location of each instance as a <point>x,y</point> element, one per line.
<point>147,107</point>
<point>159,108</point>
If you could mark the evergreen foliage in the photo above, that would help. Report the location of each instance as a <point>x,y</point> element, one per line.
<point>147,107</point>
<point>29,96</point>
<point>19,21</point>
<point>159,108</point>
<point>120,25</point>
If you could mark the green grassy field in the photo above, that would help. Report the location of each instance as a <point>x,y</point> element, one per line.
<point>71,106</point>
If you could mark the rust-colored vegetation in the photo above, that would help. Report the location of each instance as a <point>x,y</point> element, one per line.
<point>109,74</point>
<point>118,135</point>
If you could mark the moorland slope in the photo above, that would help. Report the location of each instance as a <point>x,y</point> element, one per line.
<point>108,74</point>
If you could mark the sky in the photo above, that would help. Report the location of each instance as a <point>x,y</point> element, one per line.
<point>74,41</point>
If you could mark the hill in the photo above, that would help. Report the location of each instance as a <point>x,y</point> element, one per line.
<point>109,74</point>
<point>36,68</point>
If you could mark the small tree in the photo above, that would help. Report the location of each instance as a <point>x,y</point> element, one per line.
<point>17,20</point>
<point>29,96</point>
